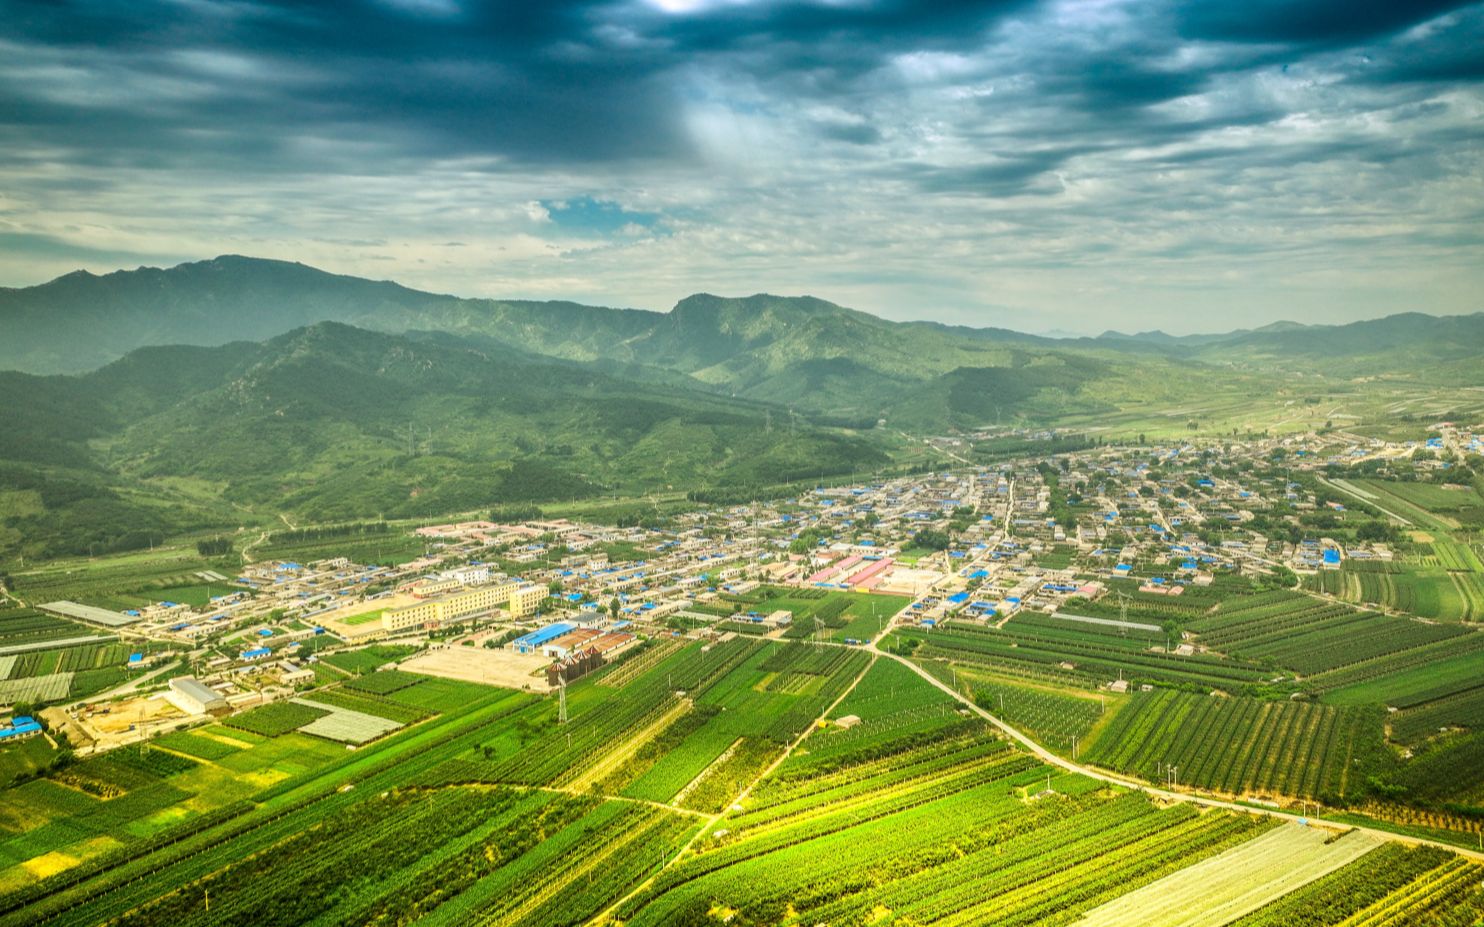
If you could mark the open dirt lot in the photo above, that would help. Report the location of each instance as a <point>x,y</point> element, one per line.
<point>480,664</point>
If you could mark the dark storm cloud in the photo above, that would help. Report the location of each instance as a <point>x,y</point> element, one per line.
<point>550,81</point>
<point>504,80</point>
<point>850,139</point>
<point>584,82</point>
<point>1313,22</point>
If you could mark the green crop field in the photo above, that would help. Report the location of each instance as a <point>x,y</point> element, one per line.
<point>694,783</point>
<point>1077,654</point>
<point>1425,504</point>
<point>119,581</point>
<point>1245,746</point>
<point>368,659</point>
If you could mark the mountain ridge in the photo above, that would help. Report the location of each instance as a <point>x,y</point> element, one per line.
<point>218,286</point>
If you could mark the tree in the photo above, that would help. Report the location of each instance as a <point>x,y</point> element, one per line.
<point>613,607</point>
<point>214,547</point>
<point>931,539</point>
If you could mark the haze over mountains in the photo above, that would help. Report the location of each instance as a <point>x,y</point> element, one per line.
<point>81,321</point>
<point>227,385</point>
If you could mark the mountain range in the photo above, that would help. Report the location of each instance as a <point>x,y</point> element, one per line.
<point>142,403</point>
<point>798,350</point>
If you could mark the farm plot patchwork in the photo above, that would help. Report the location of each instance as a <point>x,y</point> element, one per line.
<point>929,836</point>
<point>691,729</point>
<point>947,825</point>
<point>217,812</point>
<point>125,581</point>
<point>454,855</point>
<point>1428,592</point>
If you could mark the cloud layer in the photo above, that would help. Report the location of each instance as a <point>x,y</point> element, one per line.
<point>1072,165</point>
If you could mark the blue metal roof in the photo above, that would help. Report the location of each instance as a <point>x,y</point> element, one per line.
<point>541,636</point>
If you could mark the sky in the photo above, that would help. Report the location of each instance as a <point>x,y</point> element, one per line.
<point>1063,166</point>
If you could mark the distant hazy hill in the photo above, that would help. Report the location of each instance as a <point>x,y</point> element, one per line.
<point>1394,343</point>
<point>793,350</point>
<point>335,422</point>
<point>800,352</point>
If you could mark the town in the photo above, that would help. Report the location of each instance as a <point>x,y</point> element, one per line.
<point>1078,537</point>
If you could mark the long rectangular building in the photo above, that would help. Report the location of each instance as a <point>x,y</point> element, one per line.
<point>449,608</point>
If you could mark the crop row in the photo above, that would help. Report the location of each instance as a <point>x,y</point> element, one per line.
<point>1345,643</point>
<point>1460,709</point>
<point>1350,889</point>
<point>1391,664</point>
<point>1243,745</point>
<point>969,857</point>
<point>1086,659</point>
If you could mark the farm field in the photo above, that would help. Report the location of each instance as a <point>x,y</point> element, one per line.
<point>946,829</point>
<point>1425,504</point>
<point>702,781</point>
<point>1309,636</point>
<point>1059,718</point>
<point>1425,591</point>
<point>21,628</point>
<point>388,549</point>
<point>1245,746</point>
<point>368,659</point>
<point>1390,884</point>
<point>1450,667</point>
<point>121,581</point>
<point>1076,654</point>
<point>1237,882</point>
<point>823,613</point>
<point>75,670</point>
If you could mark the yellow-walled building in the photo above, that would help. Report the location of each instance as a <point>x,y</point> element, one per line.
<point>452,607</point>
<point>526,600</point>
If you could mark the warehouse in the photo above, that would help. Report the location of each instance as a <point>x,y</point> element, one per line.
<point>190,696</point>
<point>532,642</point>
